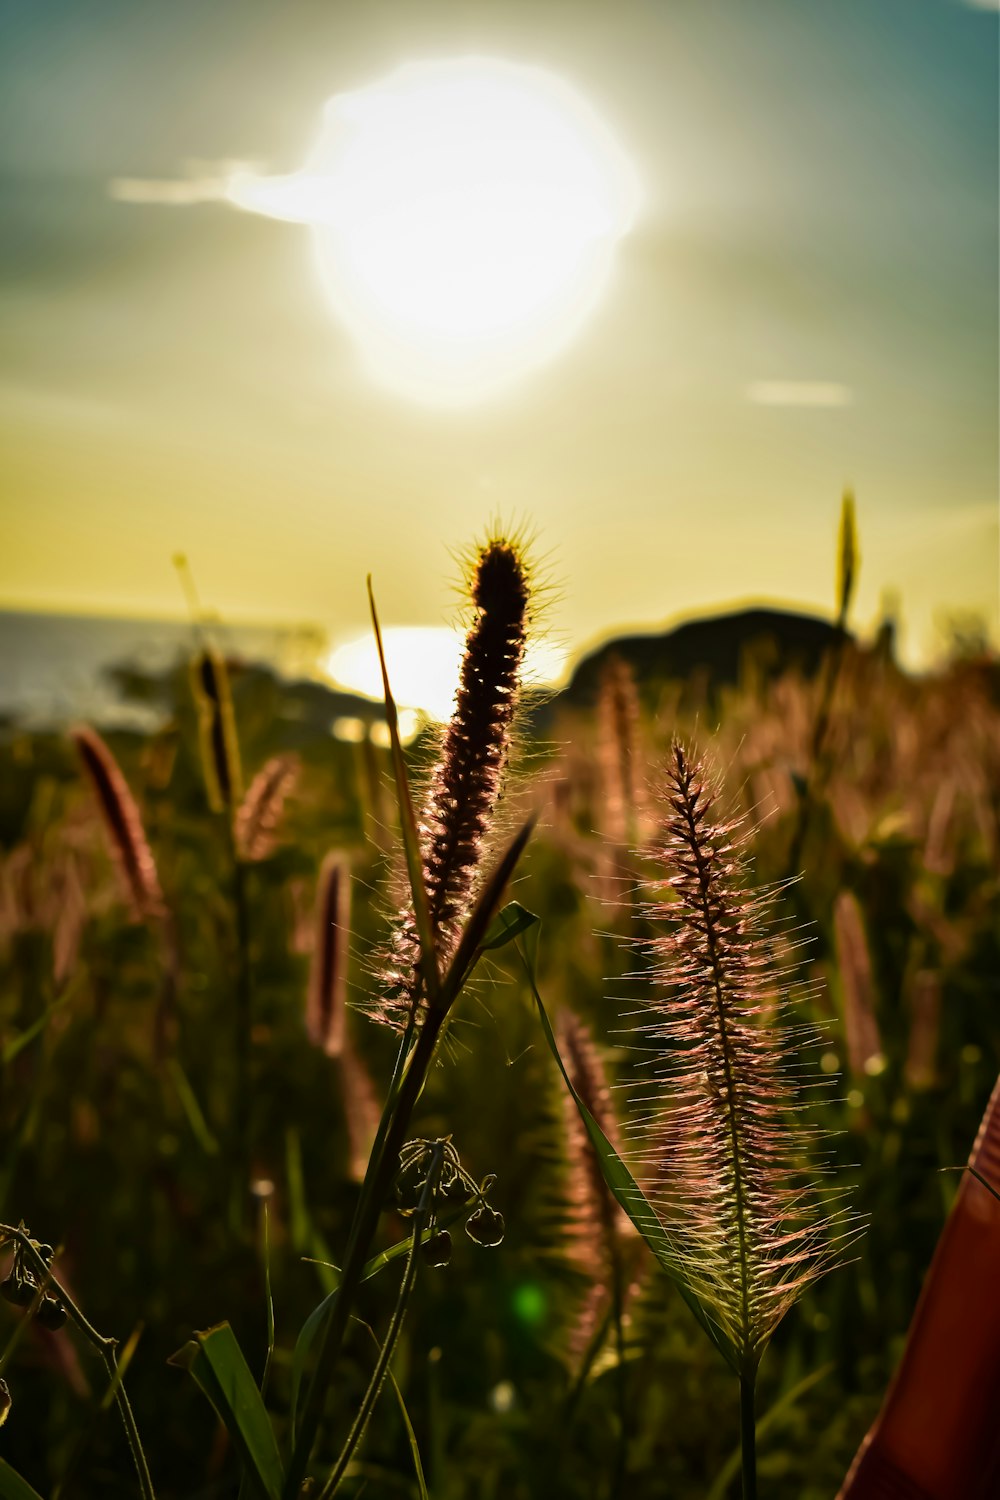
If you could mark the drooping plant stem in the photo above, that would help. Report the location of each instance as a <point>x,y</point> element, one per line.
<point>242,1024</point>
<point>105,1347</point>
<point>748,1433</point>
<point>377,1380</point>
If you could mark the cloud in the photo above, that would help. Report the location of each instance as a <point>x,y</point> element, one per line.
<point>204,182</point>
<point>815,393</point>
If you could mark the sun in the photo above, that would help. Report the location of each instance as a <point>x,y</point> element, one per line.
<point>423,662</point>
<point>465,213</point>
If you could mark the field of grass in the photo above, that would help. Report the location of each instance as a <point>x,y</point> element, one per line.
<point>154,1061</point>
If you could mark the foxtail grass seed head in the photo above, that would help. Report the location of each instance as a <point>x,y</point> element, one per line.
<point>861,1033</point>
<point>468,778</point>
<point>259,814</point>
<point>848,557</point>
<point>326,1006</point>
<point>744,1209</point>
<point>361,1106</point>
<point>595,1217</point>
<point>920,1068</point>
<point>618,722</point>
<point>603,1243</point>
<point>123,823</point>
<point>220,749</point>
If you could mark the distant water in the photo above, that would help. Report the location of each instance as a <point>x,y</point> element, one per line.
<point>57,668</point>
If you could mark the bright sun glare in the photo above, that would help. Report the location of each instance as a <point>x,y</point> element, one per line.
<point>466,214</point>
<point>423,663</point>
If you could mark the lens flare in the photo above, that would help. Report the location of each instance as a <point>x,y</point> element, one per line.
<point>466,214</point>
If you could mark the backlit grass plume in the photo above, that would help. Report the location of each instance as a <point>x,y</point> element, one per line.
<point>737,1196</point>
<point>618,721</point>
<point>467,780</point>
<point>259,814</point>
<point>220,750</point>
<point>326,1006</point>
<point>603,1241</point>
<point>123,822</point>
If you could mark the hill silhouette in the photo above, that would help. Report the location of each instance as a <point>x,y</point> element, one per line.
<point>714,649</point>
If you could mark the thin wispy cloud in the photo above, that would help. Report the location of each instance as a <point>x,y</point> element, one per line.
<point>814,393</point>
<point>203,182</point>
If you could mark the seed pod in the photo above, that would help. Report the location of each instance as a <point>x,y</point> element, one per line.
<point>51,1313</point>
<point>456,1190</point>
<point>18,1291</point>
<point>485,1227</point>
<point>5,1402</point>
<point>437,1250</point>
<point>410,1182</point>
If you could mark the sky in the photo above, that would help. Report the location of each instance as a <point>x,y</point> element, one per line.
<point>807,299</point>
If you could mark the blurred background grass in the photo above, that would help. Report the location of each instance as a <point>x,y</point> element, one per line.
<point>119,1155</point>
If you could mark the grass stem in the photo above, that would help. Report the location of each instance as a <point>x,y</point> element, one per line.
<point>392,1335</point>
<point>748,1433</point>
<point>382,1168</point>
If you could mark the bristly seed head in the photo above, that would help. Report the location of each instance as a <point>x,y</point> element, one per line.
<point>467,781</point>
<point>123,822</point>
<point>736,1189</point>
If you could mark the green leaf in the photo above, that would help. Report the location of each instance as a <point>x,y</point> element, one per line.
<point>216,1362</point>
<point>24,1038</point>
<point>13,1487</point>
<point>507,925</point>
<point>629,1194</point>
<point>300,1353</point>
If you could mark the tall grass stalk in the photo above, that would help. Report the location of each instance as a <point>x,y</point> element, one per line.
<point>848,563</point>
<point>437,936</point>
<point>40,1268</point>
<point>736,1192</point>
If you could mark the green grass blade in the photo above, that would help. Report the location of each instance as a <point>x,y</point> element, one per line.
<point>13,1487</point>
<point>407,820</point>
<point>411,1437</point>
<point>481,917</point>
<point>508,925</point>
<point>193,1112</point>
<point>269,1301</point>
<point>123,1361</point>
<point>16,1045</point>
<point>216,1363</point>
<point>628,1193</point>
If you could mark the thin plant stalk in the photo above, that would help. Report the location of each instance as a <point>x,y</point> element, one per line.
<point>748,1433</point>
<point>243,1021</point>
<point>105,1347</point>
<point>382,1168</point>
<point>437,942</point>
<point>816,770</point>
<point>392,1334</point>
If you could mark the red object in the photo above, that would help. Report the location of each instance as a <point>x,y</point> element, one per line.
<point>937,1436</point>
